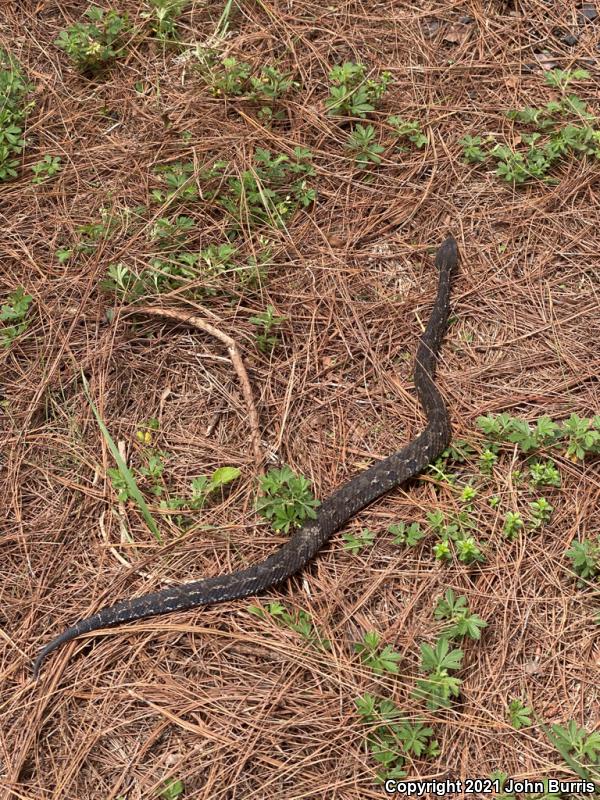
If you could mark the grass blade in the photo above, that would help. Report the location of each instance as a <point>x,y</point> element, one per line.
<point>124,470</point>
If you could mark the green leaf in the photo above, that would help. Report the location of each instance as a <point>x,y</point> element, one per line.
<point>223,476</point>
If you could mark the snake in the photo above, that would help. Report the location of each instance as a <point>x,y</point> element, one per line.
<point>331,515</point>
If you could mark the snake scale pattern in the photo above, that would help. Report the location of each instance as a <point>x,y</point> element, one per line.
<point>332,514</point>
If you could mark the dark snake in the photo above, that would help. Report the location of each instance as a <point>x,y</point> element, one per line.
<point>332,514</point>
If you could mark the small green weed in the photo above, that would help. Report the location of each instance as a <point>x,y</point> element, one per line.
<point>577,743</point>
<point>92,45</point>
<point>47,168</point>
<point>178,179</point>
<point>461,621</point>
<point>408,535</point>
<point>14,312</point>
<point>393,740</point>
<point>13,111</point>
<point>267,320</point>
<point>286,500</point>
<point>541,511</point>
<point>356,542</point>
<point>472,149</point>
<point>582,435</point>
<point>408,130</point>
<point>299,621</point>
<point>363,147</point>
<point>560,79</point>
<point>439,686</point>
<point>351,93</point>
<point>544,473</point>
<point>229,77</point>
<point>513,524</point>
<point>373,655</point>
<point>487,459</point>
<point>171,789</point>
<point>585,557</point>
<point>561,128</point>
<point>162,19</point>
<point>455,536</point>
<point>272,190</point>
<point>519,715</point>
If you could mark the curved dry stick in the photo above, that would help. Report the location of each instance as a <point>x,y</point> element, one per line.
<point>234,355</point>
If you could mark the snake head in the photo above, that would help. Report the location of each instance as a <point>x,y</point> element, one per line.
<point>447,254</point>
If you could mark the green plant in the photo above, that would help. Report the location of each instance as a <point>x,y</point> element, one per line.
<point>46,168</point>
<point>519,715</point>
<point>500,779</point>
<point>178,179</point>
<point>488,459</point>
<point>468,494</point>
<point>163,18</point>
<point>13,112</point>
<point>229,77</point>
<point>123,281</point>
<point>299,621</point>
<point>125,473</point>
<point>201,489</point>
<point>577,742</point>
<point>171,233</point>
<point>351,93</point>
<point>462,622</point>
<point>92,45</point>
<point>544,473</point>
<point>503,427</point>
<point>513,523</point>
<point>272,190</point>
<point>472,150</point>
<point>63,254</point>
<point>379,659</point>
<point>553,136</point>
<point>203,486</point>
<point>171,789</point>
<point>287,500</point>
<point>583,436</point>
<point>439,686</point>
<point>267,320</point>
<point>393,739</point>
<point>457,531</point>
<point>153,470</point>
<point>14,312</point>
<point>362,145</point>
<point>271,84</point>
<point>541,511</point>
<point>408,535</point>
<point>409,130</point>
<point>468,550</point>
<point>559,78</point>
<point>355,542</point>
<point>585,557</point>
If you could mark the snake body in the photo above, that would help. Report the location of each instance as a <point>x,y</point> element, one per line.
<point>332,514</point>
